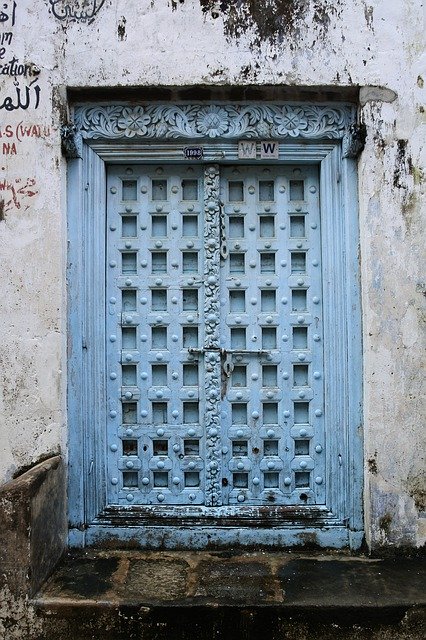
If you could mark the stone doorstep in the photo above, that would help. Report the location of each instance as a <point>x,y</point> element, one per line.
<point>330,587</point>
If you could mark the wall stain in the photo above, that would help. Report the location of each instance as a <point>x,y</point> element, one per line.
<point>418,175</point>
<point>368,14</point>
<point>379,143</point>
<point>409,207</point>
<point>416,487</point>
<point>217,73</point>
<point>271,20</point>
<point>121,28</point>
<point>2,215</point>
<point>249,72</point>
<point>372,464</point>
<point>408,178</point>
<point>42,458</point>
<point>403,164</point>
<point>385,523</point>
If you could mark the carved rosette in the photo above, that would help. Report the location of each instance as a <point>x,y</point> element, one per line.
<point>212,361</point>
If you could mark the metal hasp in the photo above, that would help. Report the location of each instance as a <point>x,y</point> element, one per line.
<point>215,359</point>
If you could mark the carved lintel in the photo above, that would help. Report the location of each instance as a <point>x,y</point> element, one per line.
<point>354,140</point>
<point>71,141</point>
<point>221,121</point>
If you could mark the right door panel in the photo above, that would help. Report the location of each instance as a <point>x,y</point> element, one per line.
<point>271,336</point>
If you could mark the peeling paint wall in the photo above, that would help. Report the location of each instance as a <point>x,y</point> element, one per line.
<point>376,44</point>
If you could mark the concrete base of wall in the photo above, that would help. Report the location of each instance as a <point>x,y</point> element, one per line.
<point>33,535</point>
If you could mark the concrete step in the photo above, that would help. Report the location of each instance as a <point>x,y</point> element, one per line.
<point>211,596</point>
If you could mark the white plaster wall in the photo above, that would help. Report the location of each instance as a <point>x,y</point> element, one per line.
<point>159,42</point>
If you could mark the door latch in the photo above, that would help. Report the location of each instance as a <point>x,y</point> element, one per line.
<point>228,365</point>
<point>222,231</point>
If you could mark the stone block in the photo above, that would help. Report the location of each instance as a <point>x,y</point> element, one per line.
<point>33,526</point>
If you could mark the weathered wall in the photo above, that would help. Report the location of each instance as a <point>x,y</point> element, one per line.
<point>82,43</point>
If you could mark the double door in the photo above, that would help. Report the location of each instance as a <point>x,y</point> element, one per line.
<point>214,375</point>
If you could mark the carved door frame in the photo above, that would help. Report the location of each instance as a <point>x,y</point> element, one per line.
<point>318,134</point>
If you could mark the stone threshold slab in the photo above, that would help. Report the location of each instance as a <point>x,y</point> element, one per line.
<point>323,583</point>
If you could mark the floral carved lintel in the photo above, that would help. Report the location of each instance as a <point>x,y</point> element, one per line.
<point>225,121</point>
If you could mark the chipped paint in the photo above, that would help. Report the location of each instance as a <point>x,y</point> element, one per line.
<point>121,28</point>
<point>18,617</point>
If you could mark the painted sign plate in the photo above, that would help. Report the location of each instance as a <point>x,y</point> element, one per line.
<point>249,149</point>
<point>193,153</point>
<point>269,150</point>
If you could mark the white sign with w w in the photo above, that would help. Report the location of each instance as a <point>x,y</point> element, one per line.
<point>248,149</point>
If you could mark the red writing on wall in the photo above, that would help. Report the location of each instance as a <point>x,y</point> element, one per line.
<point>10,135</point>
<point>17,191</point>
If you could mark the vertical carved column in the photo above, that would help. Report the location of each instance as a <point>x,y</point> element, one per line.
<point>212,326</point>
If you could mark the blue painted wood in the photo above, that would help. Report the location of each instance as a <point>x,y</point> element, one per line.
<point>222,537</point>
<point>271,290</point>
<point>86,354</point>
<point>354,349</point>
<point>253,431</point>
<point>156,401</point>
<point>343,451</point>
<point>75,291</point>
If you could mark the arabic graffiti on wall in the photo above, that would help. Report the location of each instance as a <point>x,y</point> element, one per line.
<point>14,193</point>
<point>19,88</point>
<point>25,90</point>
<point>20,97</point>
<point>7,21</point>
<point>8,13</point>
<point>79,10</point>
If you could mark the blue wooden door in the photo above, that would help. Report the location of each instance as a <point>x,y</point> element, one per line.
<point>214,371</point>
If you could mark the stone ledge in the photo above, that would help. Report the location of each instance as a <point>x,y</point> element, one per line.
<point>30,481</point>
<point>33,526</point>
<point>330,588</point>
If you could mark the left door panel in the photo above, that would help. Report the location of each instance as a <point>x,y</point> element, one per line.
<point>154,314</point>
